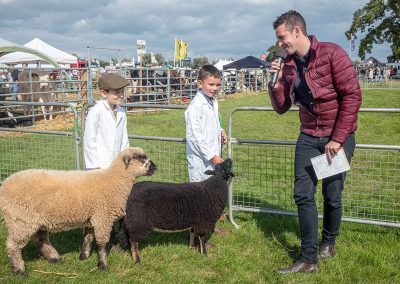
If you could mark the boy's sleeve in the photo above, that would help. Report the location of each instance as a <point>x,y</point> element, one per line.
<point>195,136</point>
<point>125,140</point>
<point>89,141</point>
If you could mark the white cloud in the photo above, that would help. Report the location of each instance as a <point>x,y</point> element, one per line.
<point>216,29</point>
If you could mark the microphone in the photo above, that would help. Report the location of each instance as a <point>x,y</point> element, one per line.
<point>280,56</point>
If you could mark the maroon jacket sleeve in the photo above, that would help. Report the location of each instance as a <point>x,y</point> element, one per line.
<point>280,97</point>
<point>349,94</point>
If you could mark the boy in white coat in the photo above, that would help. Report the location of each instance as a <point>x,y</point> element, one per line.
<point>106,132</point>
<point>203,130</point>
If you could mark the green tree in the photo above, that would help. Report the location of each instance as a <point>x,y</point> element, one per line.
<point>271,52</point>
<point>146,59</point>
<point>199,61</point>
<point>160,58</point>
<point>380,19</point>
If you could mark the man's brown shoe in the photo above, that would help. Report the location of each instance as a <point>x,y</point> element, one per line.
<point>299,266</point>
<point>326,251</point>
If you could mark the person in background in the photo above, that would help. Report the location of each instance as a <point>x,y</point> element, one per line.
<point>320,78</point>
<point>12,78</point>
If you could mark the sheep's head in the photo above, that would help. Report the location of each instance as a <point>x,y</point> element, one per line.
<point>135,158</point>
<point>223,170</point>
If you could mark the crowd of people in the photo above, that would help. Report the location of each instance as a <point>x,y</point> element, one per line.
<point>377,74</point>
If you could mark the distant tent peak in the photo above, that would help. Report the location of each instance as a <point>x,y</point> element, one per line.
<point>248,62</point>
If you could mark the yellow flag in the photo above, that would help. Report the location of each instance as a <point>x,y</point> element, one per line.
<point>183,50</point>
<point>177,49</point>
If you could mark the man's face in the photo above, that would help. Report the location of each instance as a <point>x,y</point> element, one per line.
<point>210,86</point>
<point>286,39</point>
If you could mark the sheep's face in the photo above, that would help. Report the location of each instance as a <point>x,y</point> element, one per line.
<point>223,170</point>
<point>134,158</point>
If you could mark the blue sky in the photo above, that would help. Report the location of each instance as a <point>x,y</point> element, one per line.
<point>213,28</point>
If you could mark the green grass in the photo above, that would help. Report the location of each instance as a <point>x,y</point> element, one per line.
<point>366,253</point>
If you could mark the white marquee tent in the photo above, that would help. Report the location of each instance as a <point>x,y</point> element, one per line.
<point>220,64</point>
<point>36,44</point>
<point>8,47</point>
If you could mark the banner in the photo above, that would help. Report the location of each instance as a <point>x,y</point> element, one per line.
<point>183,50</point>
<point>177,48</point>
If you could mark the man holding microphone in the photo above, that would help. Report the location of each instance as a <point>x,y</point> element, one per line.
<point>318,77</point>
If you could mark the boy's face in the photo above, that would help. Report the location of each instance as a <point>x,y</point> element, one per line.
<point>113,97</point>
<point>210,86</point>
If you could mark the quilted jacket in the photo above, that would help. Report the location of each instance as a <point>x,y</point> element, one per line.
<point>336,92</point>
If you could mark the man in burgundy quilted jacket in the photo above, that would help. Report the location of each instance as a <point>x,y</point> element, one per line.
<point>318,77</point>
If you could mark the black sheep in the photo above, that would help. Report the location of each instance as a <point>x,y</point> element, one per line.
<point>175,207</point>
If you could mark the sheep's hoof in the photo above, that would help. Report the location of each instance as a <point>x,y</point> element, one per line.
<point>102,266</point>
<point>84,256</point>
<point>21,273</point>
<point>56,260</point>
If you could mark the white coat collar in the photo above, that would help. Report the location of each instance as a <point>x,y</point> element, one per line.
<point>117,109</point>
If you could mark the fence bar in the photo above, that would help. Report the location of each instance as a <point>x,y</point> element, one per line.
<point>384,186</point>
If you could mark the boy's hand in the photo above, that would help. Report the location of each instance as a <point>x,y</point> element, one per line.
<point>216,160</point>
<point>224,138</point>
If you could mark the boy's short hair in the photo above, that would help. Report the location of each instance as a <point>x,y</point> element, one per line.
<point>112,81</point>
<point>291,19</point>
<point>208,71</point>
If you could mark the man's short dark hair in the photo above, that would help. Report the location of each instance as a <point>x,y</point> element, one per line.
<point>208,71</point>
<point>291,19</point>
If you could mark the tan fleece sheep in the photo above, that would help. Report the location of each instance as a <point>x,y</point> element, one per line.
<point>36,202</point>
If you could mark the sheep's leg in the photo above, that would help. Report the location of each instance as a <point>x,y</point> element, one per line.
<point>202,240</point>
<point>102,232</point>
<point>87,243</point>
<point>135,251</point>
<point>102,256</point>
<point>192,239</point>
<point>14,251</point>
<point>47,250</point>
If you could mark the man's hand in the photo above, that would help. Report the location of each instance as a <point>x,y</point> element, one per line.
<point>331,150</point>
<point>224,138</point>
<point>275,68</point>
<point>216,160</point>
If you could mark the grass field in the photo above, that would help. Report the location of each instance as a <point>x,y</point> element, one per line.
<point>366,253</point>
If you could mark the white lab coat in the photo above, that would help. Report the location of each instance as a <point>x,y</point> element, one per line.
<point>203,136</point>
<point>105,135</point>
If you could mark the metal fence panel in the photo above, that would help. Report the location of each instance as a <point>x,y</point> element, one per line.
<point>265,174</point>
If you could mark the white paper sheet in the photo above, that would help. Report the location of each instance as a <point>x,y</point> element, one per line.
<point>322,169</point>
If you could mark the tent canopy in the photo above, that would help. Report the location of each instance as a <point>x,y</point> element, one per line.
<point>42,52</point>
<point>371,61</point>
<point>221,63</point>
<point>248,62</point>
<point>8,47</point>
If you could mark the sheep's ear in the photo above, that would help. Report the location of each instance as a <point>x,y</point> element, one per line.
<point>209,172</point>
<point>127,160</point>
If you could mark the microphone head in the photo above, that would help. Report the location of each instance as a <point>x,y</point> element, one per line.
<point>281,53</point>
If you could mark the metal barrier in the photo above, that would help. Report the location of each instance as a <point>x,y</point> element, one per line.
<point>263,168</point>
<point>24,148</point>
<point>264,178</point>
